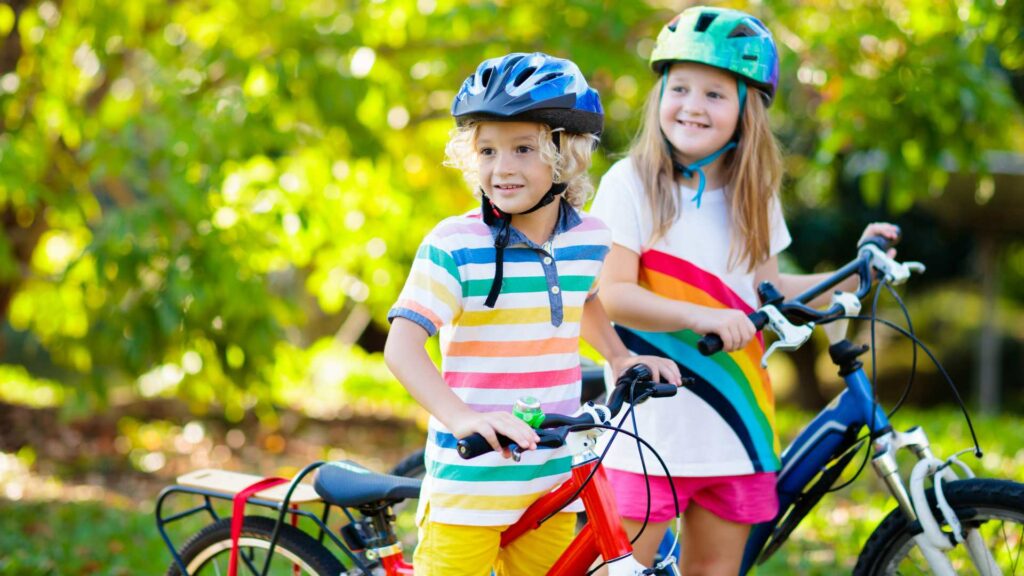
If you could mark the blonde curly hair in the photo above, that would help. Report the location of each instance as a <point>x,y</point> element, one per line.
<point>569,165</point>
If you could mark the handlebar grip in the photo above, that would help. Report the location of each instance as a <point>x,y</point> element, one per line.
<point>664,390</point>
<point>476,445</point>
<point>712,343</point>
<point>634,373</point>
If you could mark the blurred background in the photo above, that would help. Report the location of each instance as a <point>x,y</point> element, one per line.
<point>209,206</point>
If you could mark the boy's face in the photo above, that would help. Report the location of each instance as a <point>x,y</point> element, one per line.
<point>699,109</point>
<point>512,172</point>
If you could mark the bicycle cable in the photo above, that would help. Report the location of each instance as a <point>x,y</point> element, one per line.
<point>913,361</point>
<point>640,440</point>
<point>978,452</point>
<point>643,467</point>
<point>616,429</point>
<point>916,342</point>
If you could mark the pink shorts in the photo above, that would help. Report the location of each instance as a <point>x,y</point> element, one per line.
<point>745,499</point>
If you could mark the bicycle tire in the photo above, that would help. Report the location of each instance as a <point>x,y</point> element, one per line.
<point>987,504</point>
<point>208,551</point>
<point>412,466</point>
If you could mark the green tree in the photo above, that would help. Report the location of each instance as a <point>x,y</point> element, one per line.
<point>221,195</point>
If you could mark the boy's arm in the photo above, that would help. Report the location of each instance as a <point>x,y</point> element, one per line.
<point>596,329</point>
<point>407,359</point>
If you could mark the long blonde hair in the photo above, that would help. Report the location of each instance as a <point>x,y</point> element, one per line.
<point>753,173</point>
<point>569,162</point>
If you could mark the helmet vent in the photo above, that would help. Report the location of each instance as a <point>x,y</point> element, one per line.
<point>751,57</point>
<point>549,76</point>
<point>486,77</point>
<point>704,20</point>
<point>523,76</point>
<point>673,24</point>
<point>743,31</point>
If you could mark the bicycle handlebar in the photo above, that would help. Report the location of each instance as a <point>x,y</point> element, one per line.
<point>556,427</point>
<point>797,311</point>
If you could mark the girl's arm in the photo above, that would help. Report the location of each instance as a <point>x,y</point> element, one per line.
<point>596,329</point>
<point>630,304</point>
<point>407,359</point>
<point>792,285</point>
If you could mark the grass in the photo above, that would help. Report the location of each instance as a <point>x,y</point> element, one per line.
<point>118,535</point>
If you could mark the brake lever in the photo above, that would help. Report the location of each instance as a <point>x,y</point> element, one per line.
<point>895,273</point>
<point>790,336</point>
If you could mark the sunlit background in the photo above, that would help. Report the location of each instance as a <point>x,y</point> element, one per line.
<point>209,206</point>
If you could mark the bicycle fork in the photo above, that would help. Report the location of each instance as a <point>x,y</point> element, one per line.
<point>932,541</point>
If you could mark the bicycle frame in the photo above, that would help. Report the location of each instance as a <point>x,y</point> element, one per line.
<point>828,435</point>
<point>602,534</point>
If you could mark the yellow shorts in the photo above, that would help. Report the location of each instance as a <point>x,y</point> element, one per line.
<point>453,550</point>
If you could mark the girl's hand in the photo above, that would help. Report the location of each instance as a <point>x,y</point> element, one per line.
<point>662,369</point>
<point>884,229</point>
<point>490,424</point>
<point>732,326</point>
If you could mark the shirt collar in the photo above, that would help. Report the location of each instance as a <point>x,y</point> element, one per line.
<point>568,218</point>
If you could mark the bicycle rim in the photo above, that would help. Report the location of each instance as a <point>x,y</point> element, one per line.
<point>214,560</point>
<point>208,553</point>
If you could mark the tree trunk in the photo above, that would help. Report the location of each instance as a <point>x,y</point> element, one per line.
<point>987,375</point>
<point>807,394</point>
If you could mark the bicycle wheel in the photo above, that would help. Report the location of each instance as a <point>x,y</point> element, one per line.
<point>208,552</point>
<point>993,507</point>
<point>412,466</point>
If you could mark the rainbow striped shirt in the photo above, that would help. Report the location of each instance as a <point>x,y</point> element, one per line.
<point>723,424</point>
<point>527,345</point>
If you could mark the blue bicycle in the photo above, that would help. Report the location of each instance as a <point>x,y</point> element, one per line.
<point>946,520</point>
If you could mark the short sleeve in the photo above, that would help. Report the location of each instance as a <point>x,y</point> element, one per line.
<point>619,203</point>
<point>780,238</point>
<point>432,295</point>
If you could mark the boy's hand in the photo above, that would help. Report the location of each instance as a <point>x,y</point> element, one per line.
<point>662,369</point>
<point>490,424</point>
<point>732,326</point>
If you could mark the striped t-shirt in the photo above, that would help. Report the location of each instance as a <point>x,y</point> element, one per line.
<point>527,345</point>
<point>724,423</point>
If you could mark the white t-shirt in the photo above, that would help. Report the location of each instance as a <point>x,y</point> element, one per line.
<point>724,423</point>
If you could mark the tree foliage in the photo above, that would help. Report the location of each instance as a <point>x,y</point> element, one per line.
<point>212,198</point>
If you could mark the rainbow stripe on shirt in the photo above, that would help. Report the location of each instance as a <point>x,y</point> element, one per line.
<point>734,384</point>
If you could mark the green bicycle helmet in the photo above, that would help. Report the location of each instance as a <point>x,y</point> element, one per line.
<point>723,38</point>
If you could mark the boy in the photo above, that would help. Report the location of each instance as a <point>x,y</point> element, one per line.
<point>511,288</point>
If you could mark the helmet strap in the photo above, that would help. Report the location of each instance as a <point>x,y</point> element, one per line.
<point>493,215</point>
<point>696,168</point>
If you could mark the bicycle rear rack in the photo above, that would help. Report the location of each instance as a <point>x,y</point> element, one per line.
<point>212,484</point>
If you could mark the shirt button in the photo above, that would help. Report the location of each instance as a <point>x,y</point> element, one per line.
<point>555,290</point>
<point>547,259</point>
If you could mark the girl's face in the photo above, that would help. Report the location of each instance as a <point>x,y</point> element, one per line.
<point>512,173</point>
<point>699,110</point>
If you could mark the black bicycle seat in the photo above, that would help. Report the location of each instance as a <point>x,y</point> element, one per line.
<point>346,483</point>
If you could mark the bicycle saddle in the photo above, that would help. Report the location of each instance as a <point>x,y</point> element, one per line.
<point>348,484</point>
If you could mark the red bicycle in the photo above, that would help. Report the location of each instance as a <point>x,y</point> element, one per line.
<point>368,542</point>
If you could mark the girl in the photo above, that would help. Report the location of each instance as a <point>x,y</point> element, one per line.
<point>696,225</point>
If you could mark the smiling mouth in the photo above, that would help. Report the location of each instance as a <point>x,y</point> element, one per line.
<point>507,187</point>
<point>691,124</point>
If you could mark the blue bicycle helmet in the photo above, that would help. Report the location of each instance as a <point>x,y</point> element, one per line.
<point>530,87</point>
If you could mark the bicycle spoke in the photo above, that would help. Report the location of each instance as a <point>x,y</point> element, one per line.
<point>1020,542</point>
